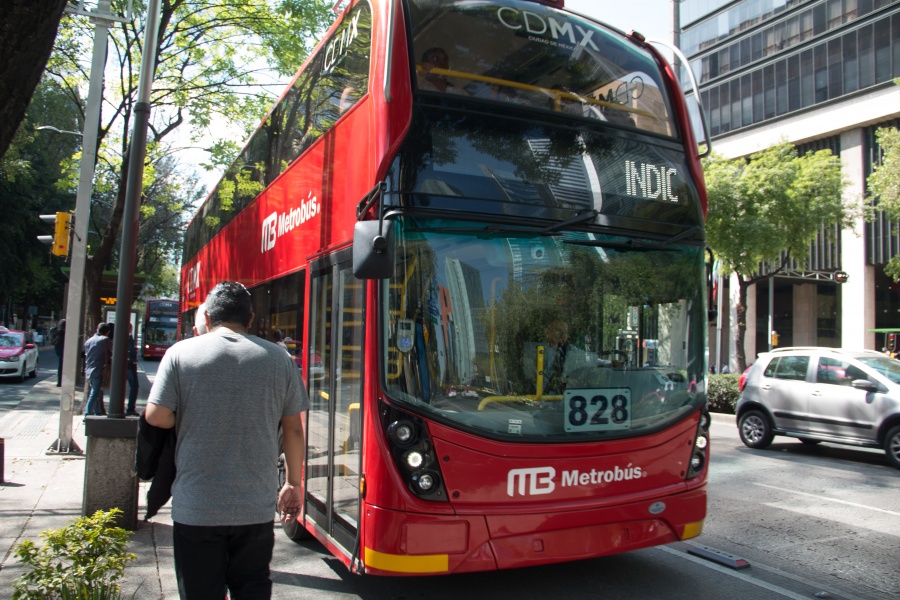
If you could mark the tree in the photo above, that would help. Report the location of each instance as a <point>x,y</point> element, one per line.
<point>884,184</point>
<point>29,172</point>
<point>207,68</point>
<point>768,209</point>
<point>27,30</point>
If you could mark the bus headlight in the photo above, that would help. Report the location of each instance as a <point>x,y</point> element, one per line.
<point>414,459</point>
<point>700,447</point>
<point>413,453</point>
<point>403,433</point>
<point>425,481</point>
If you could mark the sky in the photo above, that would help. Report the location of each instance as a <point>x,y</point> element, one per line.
<point>652,18</point>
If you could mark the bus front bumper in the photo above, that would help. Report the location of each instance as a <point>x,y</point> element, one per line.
<point>417,544</point>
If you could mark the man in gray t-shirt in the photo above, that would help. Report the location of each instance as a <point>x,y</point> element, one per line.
<point>226,393</point>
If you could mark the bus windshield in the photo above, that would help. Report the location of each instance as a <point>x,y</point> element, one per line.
<point>534,336</point>
<point>538,57</point>
<point>160,325</point>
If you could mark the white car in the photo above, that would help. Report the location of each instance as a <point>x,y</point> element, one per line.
<point>18,357</point>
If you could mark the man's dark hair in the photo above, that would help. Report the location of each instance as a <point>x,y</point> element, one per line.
<point>229,302</point>
<point>430,55</point>
<point>103,328</point>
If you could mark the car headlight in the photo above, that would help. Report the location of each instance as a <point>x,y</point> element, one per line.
<point>11,359</point>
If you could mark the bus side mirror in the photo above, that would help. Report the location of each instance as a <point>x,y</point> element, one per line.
<point>373,249</point>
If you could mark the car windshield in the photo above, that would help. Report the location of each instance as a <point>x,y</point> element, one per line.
<point>519,334</point>
<point>11,340</point>
<point>888,367</point>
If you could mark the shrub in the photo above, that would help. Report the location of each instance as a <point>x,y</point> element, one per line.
<point>723,393</point>
<point>82,561</point>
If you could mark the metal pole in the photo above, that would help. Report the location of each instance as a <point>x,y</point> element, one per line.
<point>128,252</point>
<point>65,444</point>
<point>676,33</point>
<point>719,321</point>
<point>771,309</point>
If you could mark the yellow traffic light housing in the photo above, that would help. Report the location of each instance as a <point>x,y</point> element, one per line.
<point>774,339</point>
<point>59,241</point>
<point>61,234</point>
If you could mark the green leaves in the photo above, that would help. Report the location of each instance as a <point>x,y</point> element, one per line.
<point>219,66</point>
<point>772,203</point>
<point>884,183</point>
<point>84,560</point>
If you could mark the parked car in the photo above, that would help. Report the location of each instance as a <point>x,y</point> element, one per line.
<point>823,395</point>
<point>18,356</point>
<point>316,368</point>
<point>742,380</point>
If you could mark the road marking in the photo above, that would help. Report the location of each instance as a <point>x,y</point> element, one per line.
<point>803,580</point>
<point>736,574</point>
<point>817,497</point>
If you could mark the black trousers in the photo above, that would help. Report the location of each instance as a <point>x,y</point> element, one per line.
<point>210,559</point>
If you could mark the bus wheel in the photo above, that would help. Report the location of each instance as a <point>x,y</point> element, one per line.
<point>294,530</point>
<point>755,429</point>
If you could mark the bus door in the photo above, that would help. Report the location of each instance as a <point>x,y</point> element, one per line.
<point>334,381</point>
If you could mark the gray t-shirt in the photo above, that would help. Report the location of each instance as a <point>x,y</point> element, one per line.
<point>229,392</point>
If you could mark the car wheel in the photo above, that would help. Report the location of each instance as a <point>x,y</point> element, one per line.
<point>809,442</point>
<point>892,446</point>
<point>294,530</point>
<point>755,430</point>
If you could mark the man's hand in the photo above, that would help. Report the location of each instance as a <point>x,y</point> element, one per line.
<point>290,503</point>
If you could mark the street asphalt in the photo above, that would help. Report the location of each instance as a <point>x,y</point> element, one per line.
<point>41,491</point>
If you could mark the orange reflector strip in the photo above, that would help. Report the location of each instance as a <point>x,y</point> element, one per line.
<point>692,530</point>
<point>404,563</point>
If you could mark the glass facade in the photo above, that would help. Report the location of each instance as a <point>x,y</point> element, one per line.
<point>851,60</point>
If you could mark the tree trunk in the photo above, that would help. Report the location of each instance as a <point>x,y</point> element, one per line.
<point>95,264</point>
<point>741,310</point>
<point>27,31</point>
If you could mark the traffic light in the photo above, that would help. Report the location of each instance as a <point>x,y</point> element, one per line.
<point>59,241</point>
<point>774,338</point>
<point>892,342</point>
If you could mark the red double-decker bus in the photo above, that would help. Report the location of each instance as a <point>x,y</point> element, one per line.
<point>160,327</point>
<point>480,226</point>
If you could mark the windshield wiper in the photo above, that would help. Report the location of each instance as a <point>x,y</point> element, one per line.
<point>490,229</point>
<point>582,217</point>
<point>495,228</point>
<point>637,245</point>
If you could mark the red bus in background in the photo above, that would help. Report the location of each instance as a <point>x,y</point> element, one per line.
<point>160,327</point>
<point>480,228</point>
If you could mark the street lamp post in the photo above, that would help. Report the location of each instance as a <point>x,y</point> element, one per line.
<point>74,309</point>
<point>128,252</point>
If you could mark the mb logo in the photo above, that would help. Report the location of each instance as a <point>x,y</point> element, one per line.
<point>530,482</point>
<point>269,232</point>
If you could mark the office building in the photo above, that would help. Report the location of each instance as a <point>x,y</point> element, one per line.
<point>818,73</point>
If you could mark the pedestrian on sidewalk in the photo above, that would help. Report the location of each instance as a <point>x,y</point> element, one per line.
<point>96,350</point>
<point>59,346</point>
<point>226,393</point>
<point>131,374</point>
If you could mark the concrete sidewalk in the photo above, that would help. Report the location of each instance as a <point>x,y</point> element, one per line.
<point>42,491</point>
